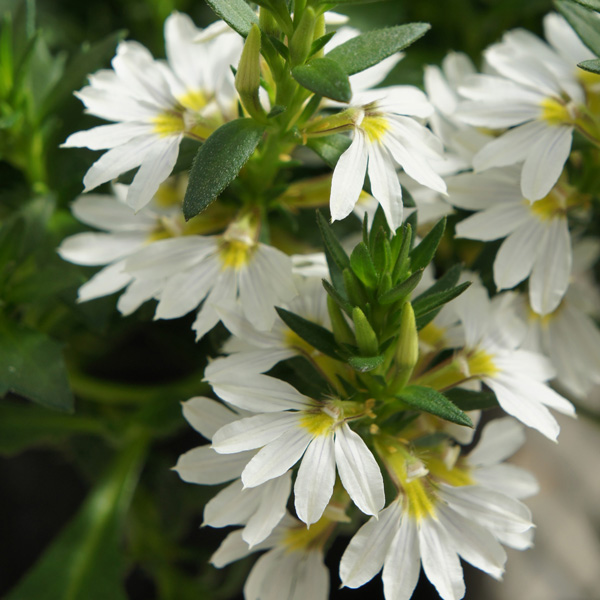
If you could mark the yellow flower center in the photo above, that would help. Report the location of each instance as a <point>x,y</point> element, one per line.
<point>420,502</point>
<point>301,538</point>
<point>375,127</point>
<point>318,423</point>
<point>431,335</point>
<point>168,124</point>
<point>195,100</point>
<point>456,476</point>
<point>555,112</point>
<point>236,254</point>
<point>481,364</point>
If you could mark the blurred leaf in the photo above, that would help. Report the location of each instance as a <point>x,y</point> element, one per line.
<point>590,65</point>
<point>401,290</point>
<point>362,265</point>
<point>86,561</point>
<point>364,364</point>
<point>423,254</point>
<point>583,21</point>
<point>324,77</point>
<point>593,4</point>
<point>471,400</point>
<point>31,364</point>
<point>427,307</point>
<point>333,247</point>
<point>368,49</point>
<point>218,161</point>
<point>329,147</point>
<point>236,13</point>
<point>431,401</point>
<point>44,73</point>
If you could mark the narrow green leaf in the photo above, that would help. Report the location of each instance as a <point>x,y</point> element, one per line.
<point>318,337</point>
<point>448,280</point>
<point>363,364</point>
<point>354,288</point>
<point>319,43</point>
<point>281,48</point>
<point>379,222</point>
<point>382,252</point>
<point>338,298</point>
<point>590,65</point>
<point>325,77</point>
<point>402,290</point>
<point>330,147</point>
<point>593,4</point>
<point>86,561</point>
<point>362,265</point>
<point>236,13</point>
<point>423,254</point>
<point>583,21</point>
<point>368,49</point>
<point>400,252</point>
<point>338,254</point>
<point>431,401</point>
<point>427,308</point>
<point>31,365</point>
<point>218,161</point>
<point>471,400</point>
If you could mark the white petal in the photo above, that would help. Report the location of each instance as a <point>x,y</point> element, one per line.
<point>508,479</point>
<point>107,281</point>
<point>499,439</point>
<point>312,580</point>
<point>137,293</point>
<point>107,136</point>
<point>359,472</point>
<point>402,563</point>
<point>203,465</point>
<point>253,432</point>
<point>231,506</point>
<point>348,178</point>
<point>93,249</point>
<point>440,561</point>
<point>363,558</point>
<point>206,415</point>
<point>550,275</point>
<point>108,213</point>
<point>276,457</point>
<point>385,185</point>
<point>545,161</point>
<point>231,549</point>
<point>493,223</point>
<point>315,479</point>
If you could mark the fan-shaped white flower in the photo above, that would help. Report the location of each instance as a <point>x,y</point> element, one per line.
<point>154,105</point>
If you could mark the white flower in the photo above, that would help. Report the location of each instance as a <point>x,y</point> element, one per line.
<point>431,524</point>
<point>294,427</point>
<point>535,93</point>
<point>516,376</point>
<point>537,244</point>
<point>261,508</point>
<point>231,270</point>
<point>384,138</point>
<point>292,569</point>
<point>154,105</point>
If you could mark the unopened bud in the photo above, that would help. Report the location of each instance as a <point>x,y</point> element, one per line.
<point>341,330</point>
<point>302,38</point>
<point>407,350</point>
<point>247,78</point>
<point>366,338</point>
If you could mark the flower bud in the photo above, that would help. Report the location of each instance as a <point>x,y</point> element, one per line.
<point>366,338</point>
<point>407,349</point>
<point>341,330</point>
<point>247,78</point>
<point>302,38</point>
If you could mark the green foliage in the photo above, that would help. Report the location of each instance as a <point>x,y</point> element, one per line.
<point>324,77</point>
<point>329,147</point>
<point>430,401</point>
<point>368,49</point>
<point>236,13</point>
<point>423,253</point>
<point>470,400</point>
<point>590,65</point>
<point>583,21</point>
<point>218,161</point>
<point>364,364</point>
<point>428,305</point>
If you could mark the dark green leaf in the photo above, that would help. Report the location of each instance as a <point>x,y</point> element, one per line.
<point>448,280</point>
<point>320,43</point>
<point>342,2</point>
<point>218,161</point>
<point>427,308</point>
<point>325,77</point>
<point>330,147</point>
<point>402,290</point>
<point>590,65</point>
<point>422,254</point>
<point>362,265</point>
<point>584,22</point>
<point>379,222</point>
<point>363,364</point>
<point>338,254</point>
<point>318,337</point>
<point>431,401</point>
<point>31,365</point>
<point>368,49</point>
<point>382,252</point>
<point>400,252</point>
<point>86,561</point>
<point>276,110</point>
<point>471,400</point>
<point>236,13</point>
<point>281,48</point>
<point>338,298</point>
<point>593,4</point>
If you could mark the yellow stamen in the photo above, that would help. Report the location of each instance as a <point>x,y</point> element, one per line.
<point>456,476</point>
<point>236,254</point>
<point>431,335</point>
<point>375,127</point>
<point>481,364</point>
<point>304,538</point>
<point>195,100</point>
<point>318,423</point>
<point>168,124</point>
<point>556,112</point>
<point>420,502</point>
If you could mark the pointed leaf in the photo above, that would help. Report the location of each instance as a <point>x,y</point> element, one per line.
<point>590,65</point>
<point>402,290</point>
<point>218,161</point>
<point>318,337</point>
<point>471,400</point>
<point>338,298</point>
<point>325,77</point>
<point>426,308</point>
<point>448,280</point>
<point>319,43</point>
<point>431,401</point>
<point>330,147</point>
<point>362,265</point>
<point>593,4</point>
<point>363,364</point>
<point>338,254</point>
<point>368,49</point>
<point>236,13</point>
<point>423,254</point>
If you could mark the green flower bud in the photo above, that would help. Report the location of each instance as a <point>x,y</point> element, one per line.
<point>341,330</point>
<point>247,78</point>
<point>407,349</point>
<point>366,338</point>
<point>302,38</point>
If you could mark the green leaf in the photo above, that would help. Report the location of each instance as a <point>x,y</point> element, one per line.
<point>318,337</point>
<point>325,77</point>
<point>423,254</point>
<point>448,280</point>
<point>338,298</point>
<point>236,13</point>
<point>368,49</point>
<point>428,307</point>
<point>402,290</point>
<point>320,43</point>
<point>590,65</point>
<point>330,147</point>
<point>470,400</point>
<point>330,2</point>
<point>593,4</point>
<point>86,561</point>
<point>382,252</point>
<point>584,22</point>
<point>431,401</point>
<point>31,365</point>
<point>338,254</point>
<point>218,161</point>
<point>362,265</point>
<point>363,364</point>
